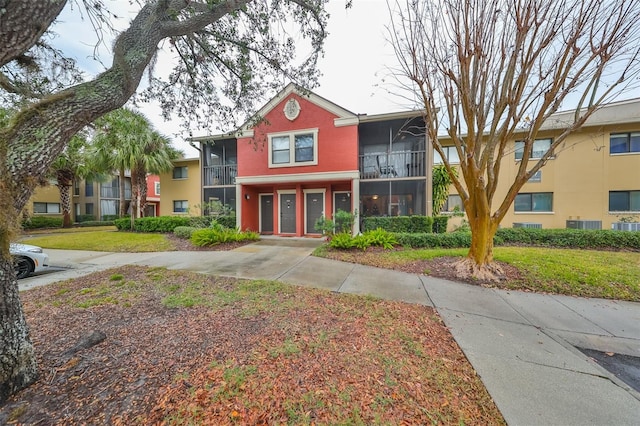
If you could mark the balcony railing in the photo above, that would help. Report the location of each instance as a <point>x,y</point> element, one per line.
<point>220,175</point>
<point>110,192</point>
<point>383,165</point>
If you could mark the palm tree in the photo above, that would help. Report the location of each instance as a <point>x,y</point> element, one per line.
<point>125,140</point>
<point>154,155</point>
<point>73,164</point>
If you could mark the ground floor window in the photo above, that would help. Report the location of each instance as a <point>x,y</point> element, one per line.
<point>180,206</point>
<point>393,198</point>
<point>453,204</point>
<point>46,208</point>
<point>534,202</point>
<point>624,201</point>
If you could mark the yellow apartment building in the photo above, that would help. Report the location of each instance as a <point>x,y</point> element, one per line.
<point>181,189</point>
<point>592,181</point>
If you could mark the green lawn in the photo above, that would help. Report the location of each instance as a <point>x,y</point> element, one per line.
<point>587,273</point>
<point>103,240</point>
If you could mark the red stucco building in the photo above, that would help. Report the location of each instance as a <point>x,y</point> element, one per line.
<point>308,157</point>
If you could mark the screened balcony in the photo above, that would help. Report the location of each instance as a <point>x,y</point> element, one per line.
<point>397,164</point>
<point>220,175</point>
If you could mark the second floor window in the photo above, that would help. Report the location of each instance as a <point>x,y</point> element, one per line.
<point>539,148</point>
<point>623,143</point>
<point>293,149</point>
<point>180,172</point>
<point>450,153</point>
<point>157,188</point>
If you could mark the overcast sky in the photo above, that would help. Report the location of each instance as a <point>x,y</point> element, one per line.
<point>354,68</point>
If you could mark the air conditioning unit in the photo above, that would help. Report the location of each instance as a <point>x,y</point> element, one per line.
<point>527,225</point>
<point>584,224</point>
<point>625,226</point>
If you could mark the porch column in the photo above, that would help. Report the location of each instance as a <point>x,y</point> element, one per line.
<point>355,204</point>
<point>239,206</point>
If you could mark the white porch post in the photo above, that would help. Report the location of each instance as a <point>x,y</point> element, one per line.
<point>355,204</point>
<point>239,206</point>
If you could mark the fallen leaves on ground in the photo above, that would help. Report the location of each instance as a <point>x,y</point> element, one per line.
<point>185,348</point>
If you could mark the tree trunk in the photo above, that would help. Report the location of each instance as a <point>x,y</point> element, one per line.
<point>65,182</point>
<point>142,177</point>
<point>121,189</point>
<point>18,367</point>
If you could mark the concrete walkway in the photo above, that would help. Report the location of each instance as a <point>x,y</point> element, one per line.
<point>523,345</point>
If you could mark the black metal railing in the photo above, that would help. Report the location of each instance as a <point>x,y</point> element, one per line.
<point>383,165</point>
<point>220,175</point>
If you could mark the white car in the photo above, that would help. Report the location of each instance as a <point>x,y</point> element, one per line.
<point>28,259</point>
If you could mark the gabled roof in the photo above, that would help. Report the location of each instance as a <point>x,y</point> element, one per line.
<point>344,116</point>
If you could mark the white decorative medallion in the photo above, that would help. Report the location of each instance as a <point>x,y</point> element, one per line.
<point>292,109</point>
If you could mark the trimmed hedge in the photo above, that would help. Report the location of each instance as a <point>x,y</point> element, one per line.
<point>431,240</point>
<point>37,222</point>
<point>408,224</point>
<point>440,224</point>
<point>85,218</point>
<point>94,223</point>
<point>561,238</point>
<point>570,238</point>
<point>169,223</point>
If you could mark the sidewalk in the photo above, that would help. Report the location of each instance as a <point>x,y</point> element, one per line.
<point>523,345</point>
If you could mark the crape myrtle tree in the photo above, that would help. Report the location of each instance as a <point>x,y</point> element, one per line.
<point>486,70</point>
<point>229,53</point>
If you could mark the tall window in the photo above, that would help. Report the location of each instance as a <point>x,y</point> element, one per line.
<point>539,148</point>
<point>293,149</point>
<point>88,208</point>
<point>622,143</point>
<point>88,189</point>
<point>624,201</point>
<point>450,153</point>
<point>156,188</point>
<point>534,202</point>
<point>76,187</point>
<point>180,172</point>
<point>46,208</point>
<point>180,206</point>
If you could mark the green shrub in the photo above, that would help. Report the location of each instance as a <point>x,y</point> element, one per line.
<point>94,223</point>
<point>409,224</point>
<point>212,237</point>
<point>324,225</point>
<point>85,218</point>
<point>342,241</point>
<point>424,240</point>
<point>123,224</point>
<point>343,221</point>
<point>440,224</point>
<point>200,221</point>
<point>184,232</point>
<point>571,238</point>
<point>381,238</point>
<point>37,222</point>
<point>228,221</point>
<point>110,217</point>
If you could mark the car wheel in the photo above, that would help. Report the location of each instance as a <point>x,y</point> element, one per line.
<point>23,266</point>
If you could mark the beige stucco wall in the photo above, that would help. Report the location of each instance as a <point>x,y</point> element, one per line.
<point>189,189</point>
<point>580,178</point>
<point>44,194</point>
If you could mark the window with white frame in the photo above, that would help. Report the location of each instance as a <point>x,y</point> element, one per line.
<point>451,154</point>
<point>624,143</point>
<point>293,149</point>
<point>536,177</point>
<point>180,172</point>
<point>180,206</point>
<point>539,148</point>
<point>624,201</point>
<point>534,202</point>
<point>51,208</point>
<point>157,188</point>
